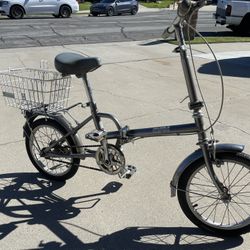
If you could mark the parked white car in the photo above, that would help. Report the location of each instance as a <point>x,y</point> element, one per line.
<point>235,14</point>
<point>18,8</point>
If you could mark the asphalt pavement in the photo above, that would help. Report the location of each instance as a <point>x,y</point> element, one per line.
<point>143,85</point>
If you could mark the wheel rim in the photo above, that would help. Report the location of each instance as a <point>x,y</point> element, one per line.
<point>65,12</point>
<point>42,137</point>
<point>17,12</point>
<point>110,12</point>
<point>134,11</point>
<point>204,200</point>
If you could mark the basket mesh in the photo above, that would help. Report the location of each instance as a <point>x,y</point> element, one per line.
<point>29,89</point>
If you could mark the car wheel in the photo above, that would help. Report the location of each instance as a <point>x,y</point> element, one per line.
<point>110,12</point>
<point>16,12</point>
<point>56,16</point>
<point>94,14</point>
<point>134,10</point>
<point>65,11</point>
<point>244,25</point>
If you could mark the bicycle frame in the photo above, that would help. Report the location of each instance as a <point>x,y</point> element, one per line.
<point>125,135</point>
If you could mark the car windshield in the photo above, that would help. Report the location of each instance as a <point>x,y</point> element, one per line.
<point>107,1</point>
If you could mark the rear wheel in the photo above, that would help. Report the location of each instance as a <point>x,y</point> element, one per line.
<point>65,11</point>
<point>110,12</point>
<point>16,12</point>
<point>202,203</point>
<point>45,132</point>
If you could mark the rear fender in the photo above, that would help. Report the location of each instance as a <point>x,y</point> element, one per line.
<point>196,155</point>
<point>62,121</point>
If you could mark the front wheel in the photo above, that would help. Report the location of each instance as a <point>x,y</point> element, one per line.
<point>44,133</point>
<point>202,203</point>
<point>134,10</point>
<point>16,12</point>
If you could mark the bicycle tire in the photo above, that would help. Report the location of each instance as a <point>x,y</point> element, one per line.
<point>40,131</point>
<point>201,202</point>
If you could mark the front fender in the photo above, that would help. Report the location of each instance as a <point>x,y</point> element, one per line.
<point>196,155</point>
<point>63,122</point>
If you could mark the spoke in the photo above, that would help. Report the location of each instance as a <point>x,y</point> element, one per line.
<point>196,184</point>
<point>241,179</point>
<point>233,216</point>
<point>204,196</point>
<point>236,176</point>
<point>228,176</point>
<point>216,201</point>
<point>226,205</point>
<point>247,196</point>
<point>198,208</point>
<point>222,175</point>
<point>209,180</point>
<point>236,211</point>
<point>239,205</point>
<point>233,195</point>
<point>213,209</point>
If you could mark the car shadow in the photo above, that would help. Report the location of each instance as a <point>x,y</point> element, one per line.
<point>30,17</point>
<point>234,67</point>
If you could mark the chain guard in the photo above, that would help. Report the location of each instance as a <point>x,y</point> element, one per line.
<point>116,157</point>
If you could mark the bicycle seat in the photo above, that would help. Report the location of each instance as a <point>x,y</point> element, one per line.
<point>75,64</point>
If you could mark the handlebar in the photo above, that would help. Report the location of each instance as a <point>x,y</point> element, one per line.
<point>185,8</point>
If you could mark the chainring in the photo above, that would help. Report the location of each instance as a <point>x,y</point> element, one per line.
<point>116,157</point>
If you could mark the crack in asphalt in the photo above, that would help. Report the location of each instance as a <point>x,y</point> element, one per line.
<point>55,32</point>
<point>35,40</point>
<point>123,32</point>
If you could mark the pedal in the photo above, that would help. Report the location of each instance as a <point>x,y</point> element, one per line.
<point>96,135</point>
<point>127,171</point>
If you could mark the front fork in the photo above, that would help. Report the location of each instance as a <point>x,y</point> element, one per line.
<point>209,155</point>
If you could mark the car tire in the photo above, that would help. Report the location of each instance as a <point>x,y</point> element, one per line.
<point>110,12</point>
<point>134,10</point>
<point>65,11</point>
<point>94,14</point>
<point>244,25</point>
<point>16,12</point>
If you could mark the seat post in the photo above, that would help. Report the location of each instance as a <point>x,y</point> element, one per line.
<point>92,104</point>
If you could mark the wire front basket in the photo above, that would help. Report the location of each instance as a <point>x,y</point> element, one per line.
<point>29,89</point>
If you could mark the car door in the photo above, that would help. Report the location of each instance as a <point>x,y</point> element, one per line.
<point>40,6</point>
<point>122,6</point>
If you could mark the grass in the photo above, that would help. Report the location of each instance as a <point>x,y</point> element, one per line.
<point>158,4</point>
<point>214,39</point>
<point>84,6</point>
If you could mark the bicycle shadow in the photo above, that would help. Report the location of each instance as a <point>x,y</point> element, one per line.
<point>29,198</point>
<point>150,238</point>
<point>234,67</point>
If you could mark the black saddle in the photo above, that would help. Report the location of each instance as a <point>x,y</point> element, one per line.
<point>75,64</point>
